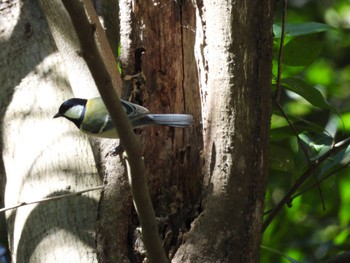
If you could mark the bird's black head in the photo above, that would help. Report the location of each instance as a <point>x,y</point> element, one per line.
<point>73,110</point>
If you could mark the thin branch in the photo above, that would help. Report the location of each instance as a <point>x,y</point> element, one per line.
<point>303,148</point>
<point>290,124</point>
<point>96,51</point>
<point>311,169</point>
<point>52,198</point>
<point>280,52</point>
<point>314,184</point>
<point>279,90</point>
<point>320,181</point>
<point>286,199</point>
<point>279,82</point>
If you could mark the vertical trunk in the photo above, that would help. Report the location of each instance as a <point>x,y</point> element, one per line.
<point>233,50</point>
<point>172,85</point>
<point>42,157</point>
<point>172,156</point>
<point>115,204</point>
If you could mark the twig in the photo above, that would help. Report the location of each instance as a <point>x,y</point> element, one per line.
<point>303,148</point>
<point>280,52</point>
<point>286,199</point>
<point>277,101</point>
<point>313,185</point>
<point>279,84</point>
<point>320,180</point>
<point>52,198</point>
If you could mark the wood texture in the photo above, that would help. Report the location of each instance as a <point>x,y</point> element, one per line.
<point>233,50</point>
<point>42,157</point>
<point>172,156</point>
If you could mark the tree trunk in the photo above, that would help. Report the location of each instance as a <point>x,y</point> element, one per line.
<point>42,157</point>
<point>233,51</point>
<point>172,156</point>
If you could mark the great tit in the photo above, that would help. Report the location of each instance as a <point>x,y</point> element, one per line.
<point>92,117</point>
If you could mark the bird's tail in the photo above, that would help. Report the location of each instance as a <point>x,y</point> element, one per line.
<point>173,120</point>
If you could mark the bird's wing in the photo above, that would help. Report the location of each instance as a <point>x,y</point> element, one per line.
<point>101,121</point>
<point>133,110</point>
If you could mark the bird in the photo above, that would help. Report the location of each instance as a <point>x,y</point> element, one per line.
<point>91,117</point>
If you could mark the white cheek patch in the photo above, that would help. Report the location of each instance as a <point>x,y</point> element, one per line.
<point>75,112</point>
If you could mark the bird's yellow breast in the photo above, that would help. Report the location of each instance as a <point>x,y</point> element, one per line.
<point>97,121</point>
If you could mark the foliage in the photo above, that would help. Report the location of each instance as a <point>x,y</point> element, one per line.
<point>313,104</point>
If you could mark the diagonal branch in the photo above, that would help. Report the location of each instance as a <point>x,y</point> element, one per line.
<point>286,199</point>
<point>96,52</point>
<point>303,148</point>
<point>277,101</point>
<point>321,180</point>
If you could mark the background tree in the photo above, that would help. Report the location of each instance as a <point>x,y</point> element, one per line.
<point>41,157</point>
<point>194,62</point>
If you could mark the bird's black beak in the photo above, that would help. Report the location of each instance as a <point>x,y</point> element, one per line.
<point>57,115</point>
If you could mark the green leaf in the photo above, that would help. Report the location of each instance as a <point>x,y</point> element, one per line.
<point>345,122</point>
<point>280,158</point>
<point>301,51</point>
<point>292,260</point>
<point>281,133</point>
<point>297,54</point>
<point>344,213</point>
<point>300,125</point>
<point>342,158</point>
<point>317,144</point>
<point>321,72</point>
<point>308,92</point>
<point>302,29</point>
<point>343,236</point>
<point>280,128</point>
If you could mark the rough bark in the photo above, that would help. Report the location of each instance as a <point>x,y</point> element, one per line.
<point>114,212</point>
<point>115,205</point>
<point>42,157</point>
<point>172,156</point>
<point>172,86</point>
<point>233,50</point>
